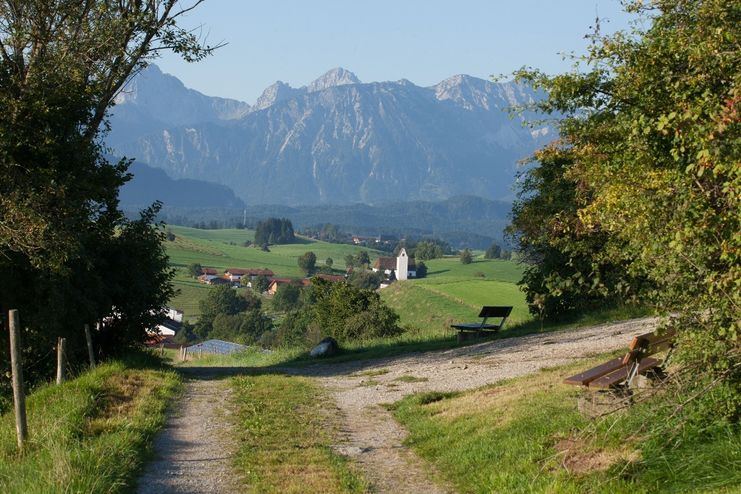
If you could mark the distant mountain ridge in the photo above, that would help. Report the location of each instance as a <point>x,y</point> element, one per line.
<point>151,184</point>
<point>334,141</point>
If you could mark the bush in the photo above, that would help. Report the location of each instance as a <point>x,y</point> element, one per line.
<point>245,327</point>
<point>349,313</point>
<point>287,297</point>
<point>365,279</point>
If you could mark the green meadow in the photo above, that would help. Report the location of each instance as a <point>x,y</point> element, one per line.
<point>455,292</point>
<point>225,248</point>
<point>451,292</point>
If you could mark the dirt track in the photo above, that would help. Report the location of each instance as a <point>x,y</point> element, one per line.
<point>373,438</point>
<point>193,454</point>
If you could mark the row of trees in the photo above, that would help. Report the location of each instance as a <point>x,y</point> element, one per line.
<point>640,197</point>
<point>274,231</point>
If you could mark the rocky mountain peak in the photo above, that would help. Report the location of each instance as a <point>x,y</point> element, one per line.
<point>335,77</point>
<point>278,91</point>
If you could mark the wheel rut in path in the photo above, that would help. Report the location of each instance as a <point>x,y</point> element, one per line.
<point>372,437</point>
<point>193,453</point>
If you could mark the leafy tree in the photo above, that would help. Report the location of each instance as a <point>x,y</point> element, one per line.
<point>307,263</point>
<point>348,313</point>
<point>287,297</point>
<point>329,262</point>
<point>260,284</point>
<point>365,279</point>
<point>362,258</point>
<point>421,269</point>
<point>59,216</point>
<point>293,329</point>
<point>493,252</point>
<point>220,300</point>
<point>330,233</point>
<point>466,256</point>
<point>427,249</point>
<point>349,261</point>
<point>245,327</point>
<point>649,144</point>
<point>186,334</point>
<point>558,251</point>
<point>195,270</point>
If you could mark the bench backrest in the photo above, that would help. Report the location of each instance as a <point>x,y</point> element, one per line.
<point>645,345</point>
<point>495,311</point>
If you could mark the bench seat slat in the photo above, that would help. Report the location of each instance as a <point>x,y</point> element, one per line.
<point>584,378</point>
<point>475,325</point>
<point>621,375</point>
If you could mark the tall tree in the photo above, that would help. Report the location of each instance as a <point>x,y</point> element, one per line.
<point>307,263</point>
<point>651,133</point>
<point>62,63</point>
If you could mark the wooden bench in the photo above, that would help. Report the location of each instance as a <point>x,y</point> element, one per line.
<point>475,329</point>
<point>620,372</point>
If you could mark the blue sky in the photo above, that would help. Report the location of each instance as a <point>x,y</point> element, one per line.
<point>380,40</point>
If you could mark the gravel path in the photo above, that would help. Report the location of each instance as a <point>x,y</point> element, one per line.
<point>193,453</point>
<point>372,437</point>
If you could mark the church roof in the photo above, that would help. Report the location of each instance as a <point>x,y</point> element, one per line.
<point>384,263</point>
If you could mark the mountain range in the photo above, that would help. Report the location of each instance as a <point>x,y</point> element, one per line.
<point>334,141</point>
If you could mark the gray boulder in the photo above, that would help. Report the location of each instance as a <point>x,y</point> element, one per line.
<point>326,348</point>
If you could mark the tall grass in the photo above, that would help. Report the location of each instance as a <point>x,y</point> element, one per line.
<point>89,434</point>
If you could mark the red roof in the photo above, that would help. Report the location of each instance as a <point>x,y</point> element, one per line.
<point>212,271</point>
<point>331,277</point>
<point>249,271</point>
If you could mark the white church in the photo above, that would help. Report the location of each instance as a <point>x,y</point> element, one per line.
<point>403,266</point>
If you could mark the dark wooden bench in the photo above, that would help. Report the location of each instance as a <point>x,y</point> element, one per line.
<point>474,329</point>
<point>620,372</point>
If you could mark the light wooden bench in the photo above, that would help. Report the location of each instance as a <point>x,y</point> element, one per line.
<point>475,329</point>
<point>620,372</point>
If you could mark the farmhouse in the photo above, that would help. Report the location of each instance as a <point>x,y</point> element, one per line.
<point>276,283</point>
<point>403,266</point>
<point>236,274</point>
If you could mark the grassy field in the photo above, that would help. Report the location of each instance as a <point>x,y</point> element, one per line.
<point>451,292</point>
<point>455,292</point>
<point>225,249</point>
<point>526,435</point>
<point>285,430</point>
<point>90,434</point>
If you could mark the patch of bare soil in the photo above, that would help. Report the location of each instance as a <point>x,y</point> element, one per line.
<point>577,459</point>
<point>373,438</point>
<point>193,453</point>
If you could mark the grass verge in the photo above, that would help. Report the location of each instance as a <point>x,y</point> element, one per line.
<point>526,435</point>
<point>89,434</point>
<point>285,432</point>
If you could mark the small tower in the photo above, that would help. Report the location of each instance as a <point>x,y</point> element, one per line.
<point>402,265</point>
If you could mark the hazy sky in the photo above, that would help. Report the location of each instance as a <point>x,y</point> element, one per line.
<point>425,41</point>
